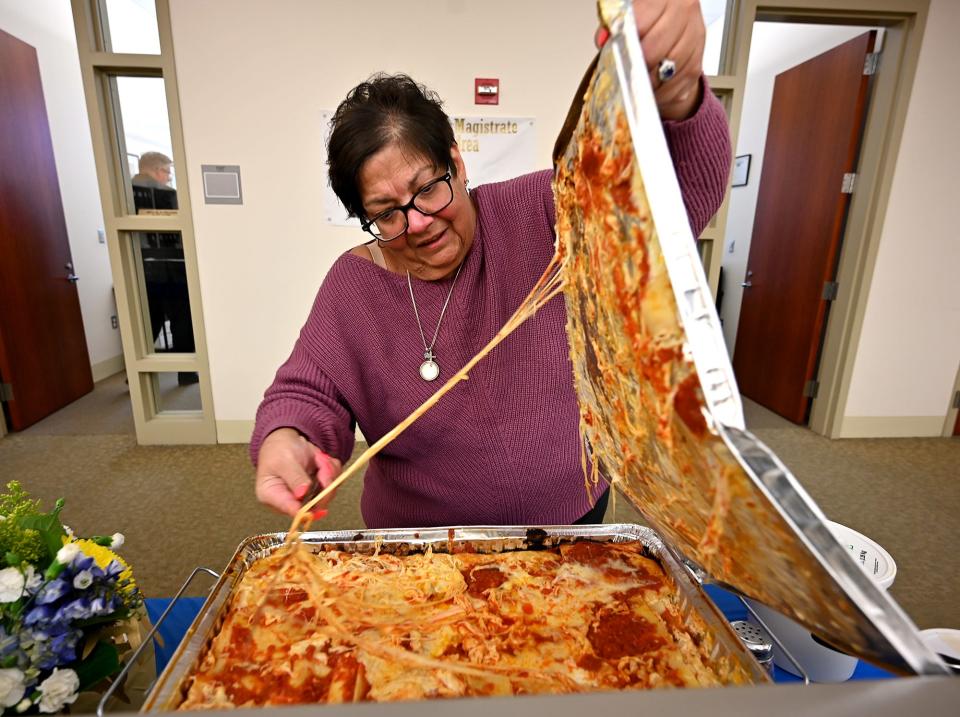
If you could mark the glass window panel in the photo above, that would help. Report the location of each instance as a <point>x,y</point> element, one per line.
<point>143,139</point>
<point>714,17</point>
<point>162,275</point>
<point>131,26</point>
<point>175,391</point>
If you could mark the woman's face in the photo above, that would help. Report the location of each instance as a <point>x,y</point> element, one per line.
<point>432,247</point>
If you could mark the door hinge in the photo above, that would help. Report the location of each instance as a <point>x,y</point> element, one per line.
<point>6,392</point>
<point>870,63</point>
<point>830,290</point>
<point>956,400</point>
<point>811,388</point>
<point>849,179</point>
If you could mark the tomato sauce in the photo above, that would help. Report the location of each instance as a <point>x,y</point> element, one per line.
<point>614,635</point>
<point>482,579</point>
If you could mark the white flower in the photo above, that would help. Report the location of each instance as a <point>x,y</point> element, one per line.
<point>24,704</point>
<point>11,686</point>
<point>68,530</point>
<point>67,553</point>
<point>83,580</point>
<point>117,541</point>
<point>11,585</point>
<point>59,689</point>
<point>33,579</point>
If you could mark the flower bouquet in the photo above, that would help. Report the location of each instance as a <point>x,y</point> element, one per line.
<point>68,607</point>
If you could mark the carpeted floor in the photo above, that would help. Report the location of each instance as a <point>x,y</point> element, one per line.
<point>184,506</point>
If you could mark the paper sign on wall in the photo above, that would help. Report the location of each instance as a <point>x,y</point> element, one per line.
<point>493,149</point>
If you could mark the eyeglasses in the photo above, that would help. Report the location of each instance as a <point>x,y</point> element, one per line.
<point>431,198</point>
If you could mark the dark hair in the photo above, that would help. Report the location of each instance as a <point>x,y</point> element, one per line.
<point>384,110</point>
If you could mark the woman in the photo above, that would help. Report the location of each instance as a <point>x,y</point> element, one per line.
<point>445,269</point>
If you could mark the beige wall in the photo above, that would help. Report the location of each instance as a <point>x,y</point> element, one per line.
<point>47,25</point>
<point>909,349</point>
<point>254,78</point>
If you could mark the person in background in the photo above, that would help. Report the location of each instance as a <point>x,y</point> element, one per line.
<point>444,267</point>
<point>154,171</point>
<point>163,267</point>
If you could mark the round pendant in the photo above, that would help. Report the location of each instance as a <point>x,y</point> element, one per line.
<point>429,370</point>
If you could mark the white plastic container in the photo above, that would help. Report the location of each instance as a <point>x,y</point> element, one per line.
<point>946,642</point>
<point>822,663</point>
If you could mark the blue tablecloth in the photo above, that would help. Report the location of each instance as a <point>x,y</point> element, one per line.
<point>175,627</point>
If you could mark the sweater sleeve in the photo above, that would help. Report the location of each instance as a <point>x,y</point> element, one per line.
<point>701,151</point>
<point>304,398</point>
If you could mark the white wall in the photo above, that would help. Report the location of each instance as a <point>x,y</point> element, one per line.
<point>774,48</point>
<point>47,25</point>
<point>254,78</point>
<point>909,349</point>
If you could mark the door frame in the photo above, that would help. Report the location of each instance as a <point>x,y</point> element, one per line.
<point>951,420</point>
<point>97,67</point>
<point>903,22</point>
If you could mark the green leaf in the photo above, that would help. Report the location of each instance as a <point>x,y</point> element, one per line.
<point>121,614</point>
<point>49,527</point>
<point>13,559</point>
<point>102,662</point>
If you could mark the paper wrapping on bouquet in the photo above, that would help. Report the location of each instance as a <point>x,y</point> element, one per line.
<point>659,404</point>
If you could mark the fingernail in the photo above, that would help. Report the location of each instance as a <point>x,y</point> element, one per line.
<point>318,514</point>
<point>300,491</point>
<point>600,39</point>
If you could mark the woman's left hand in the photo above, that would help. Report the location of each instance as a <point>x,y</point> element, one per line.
<point>671,30</point>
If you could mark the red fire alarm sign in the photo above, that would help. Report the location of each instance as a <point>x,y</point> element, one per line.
<point>486,91</point>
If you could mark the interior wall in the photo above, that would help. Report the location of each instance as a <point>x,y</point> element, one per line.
<point>909,347</point>
<point>47,25</point>
<point>254,79</point>
<point>774,48</point>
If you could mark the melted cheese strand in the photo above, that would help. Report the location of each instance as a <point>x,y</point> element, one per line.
<point>547,287</point>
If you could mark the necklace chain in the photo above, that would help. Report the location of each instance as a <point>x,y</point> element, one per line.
<point>416,313</point>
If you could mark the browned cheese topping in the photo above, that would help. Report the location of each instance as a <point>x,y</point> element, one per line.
<point>342,627</point>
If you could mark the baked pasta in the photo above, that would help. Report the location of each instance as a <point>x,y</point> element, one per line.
<point>343,627</point>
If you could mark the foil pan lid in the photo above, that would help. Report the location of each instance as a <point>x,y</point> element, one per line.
<point>658,399</point>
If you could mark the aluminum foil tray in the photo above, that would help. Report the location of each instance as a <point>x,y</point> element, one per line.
<point>658,399</point>
<point>168,692</point>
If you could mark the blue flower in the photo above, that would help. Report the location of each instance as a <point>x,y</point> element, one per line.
<point>101,605</point>
<point>64,647</point>
<point>80,563</point>
<point>39,613</point>
<point>78,609</point>
<point>8,643</point>
<point>114,569</point>
<point>53,591</point>
<point>45,651</point>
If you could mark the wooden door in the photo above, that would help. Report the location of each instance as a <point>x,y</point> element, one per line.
<point>816,120</point>
<point>43,350</point>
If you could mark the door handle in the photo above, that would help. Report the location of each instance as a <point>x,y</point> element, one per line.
<point>73,278</point>
<point>746,284</point>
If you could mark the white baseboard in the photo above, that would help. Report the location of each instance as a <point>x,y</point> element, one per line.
<point>106,369</point>
<point>234,431</point>
<point>891,426</point>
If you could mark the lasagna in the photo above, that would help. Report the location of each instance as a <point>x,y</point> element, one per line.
<point>334,627</point>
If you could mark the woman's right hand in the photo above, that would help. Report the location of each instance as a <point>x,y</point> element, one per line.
<point>287,466</point>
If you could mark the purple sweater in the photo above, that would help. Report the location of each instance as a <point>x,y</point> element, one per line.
<point>503,447</point>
